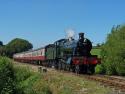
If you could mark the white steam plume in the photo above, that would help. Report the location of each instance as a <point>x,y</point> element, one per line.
<point>70,33</point>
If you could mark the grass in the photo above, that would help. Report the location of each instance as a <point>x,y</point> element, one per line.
<point>64,83</point>
<point>20,80</point>
<point>54,82</point>
<point>96,51</point>
<point>27,80</point>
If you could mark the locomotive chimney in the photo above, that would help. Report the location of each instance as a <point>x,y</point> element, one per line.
<point>81,35</point>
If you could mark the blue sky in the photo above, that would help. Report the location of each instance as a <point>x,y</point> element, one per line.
<point>43,21</point>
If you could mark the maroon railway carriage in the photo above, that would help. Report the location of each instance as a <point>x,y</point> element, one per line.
<point>32,56</point>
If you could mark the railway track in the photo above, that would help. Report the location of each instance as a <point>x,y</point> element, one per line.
<point>114,82</point>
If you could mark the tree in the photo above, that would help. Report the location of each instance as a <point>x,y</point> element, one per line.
<point>2,51</point>
<point>17,45</point>
<point>113,51</point>
<point>1,43</point>
<point>98,45</point>
<point>1,48</point>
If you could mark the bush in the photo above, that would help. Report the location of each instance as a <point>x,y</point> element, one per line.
<point>20,80</point>
<point>7,85</point>
<point>25,80</point>
<point>28,82</point>
<point>22,73</point>
<point>113,51</point>
<point>120,68</point>
<point>110,69</point>
<point>99,69</point>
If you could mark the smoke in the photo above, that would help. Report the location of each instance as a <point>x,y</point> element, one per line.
<point>70,33</point>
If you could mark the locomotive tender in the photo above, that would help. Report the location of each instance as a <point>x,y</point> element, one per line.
<point>64,54</point>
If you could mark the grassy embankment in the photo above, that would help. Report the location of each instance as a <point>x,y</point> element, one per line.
<point>22,80</point>
<point>19,80</point>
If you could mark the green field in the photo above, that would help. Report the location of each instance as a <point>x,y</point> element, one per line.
<point>96,51</point>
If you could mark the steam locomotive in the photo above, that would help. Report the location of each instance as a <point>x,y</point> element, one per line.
<point>64,54</point>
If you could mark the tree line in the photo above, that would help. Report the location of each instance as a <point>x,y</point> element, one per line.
<point>14,46</point>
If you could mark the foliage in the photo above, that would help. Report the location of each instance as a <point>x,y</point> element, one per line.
<point>99,69</point>
<point>96,51</point>
<point>28,82</point>
<point>7,85</point>
<point>21,73</point>
<point>2,51</point>
<point>15,46</point>
<point>18,45</point>
<point>25,81</point>
<point>98,45</point>
<point>1,43</point>
<point>20,80</point>
<point>113,51</point>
